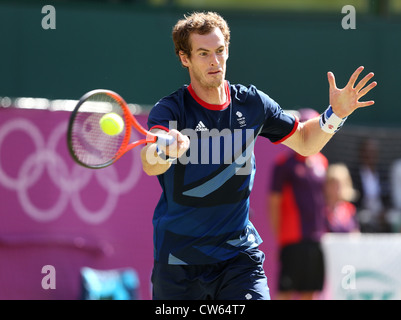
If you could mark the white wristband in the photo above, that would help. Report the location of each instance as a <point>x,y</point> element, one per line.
<point>330,122</point>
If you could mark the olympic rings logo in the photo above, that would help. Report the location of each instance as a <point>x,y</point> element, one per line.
<point>71,184</point>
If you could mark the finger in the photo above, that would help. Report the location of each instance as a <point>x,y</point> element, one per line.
<point>364,81</point>
<point>355,76</point>
<point>182,139</point>
<point>365,104</point>
<point>185,143</point>
<point>332,80</point>
<point>174,132</point>
<point>367,89</point>
<point>183,146</point>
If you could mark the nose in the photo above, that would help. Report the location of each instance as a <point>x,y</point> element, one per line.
<point>213,60</point>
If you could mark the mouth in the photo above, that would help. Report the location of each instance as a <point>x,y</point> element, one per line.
<point>214,72</point>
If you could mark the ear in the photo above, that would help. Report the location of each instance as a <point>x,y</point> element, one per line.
<point>184,58</point>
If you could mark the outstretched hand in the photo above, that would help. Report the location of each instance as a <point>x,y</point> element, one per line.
<point>345,101</point>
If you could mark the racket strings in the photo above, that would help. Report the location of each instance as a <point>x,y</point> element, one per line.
<point>90,144</point>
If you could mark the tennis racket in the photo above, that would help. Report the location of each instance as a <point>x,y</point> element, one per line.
<point>89,145</point>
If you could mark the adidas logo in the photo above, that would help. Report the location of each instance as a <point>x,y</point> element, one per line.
<point>201,127</point>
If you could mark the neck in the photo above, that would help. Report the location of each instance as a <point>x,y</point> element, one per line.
<point>211,95</point>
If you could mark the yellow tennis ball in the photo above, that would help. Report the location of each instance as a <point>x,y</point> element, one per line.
<point>112,123</point>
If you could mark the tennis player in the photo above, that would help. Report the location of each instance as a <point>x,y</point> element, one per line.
<point>205,247</point>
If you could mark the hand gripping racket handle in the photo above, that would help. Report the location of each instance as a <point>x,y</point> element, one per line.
<point>164,140</point>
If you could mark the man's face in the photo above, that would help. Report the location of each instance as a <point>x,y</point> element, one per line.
<point>207,64</point>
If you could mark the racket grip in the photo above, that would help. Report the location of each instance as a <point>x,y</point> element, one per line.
<point>164,140</point>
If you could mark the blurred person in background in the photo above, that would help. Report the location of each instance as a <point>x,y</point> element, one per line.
<point>297,215</point>
<point>368,181</point>
<point>394,214</point>
<point>339,194</point>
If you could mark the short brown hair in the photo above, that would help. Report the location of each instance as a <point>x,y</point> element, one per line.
<point>200,23</point>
